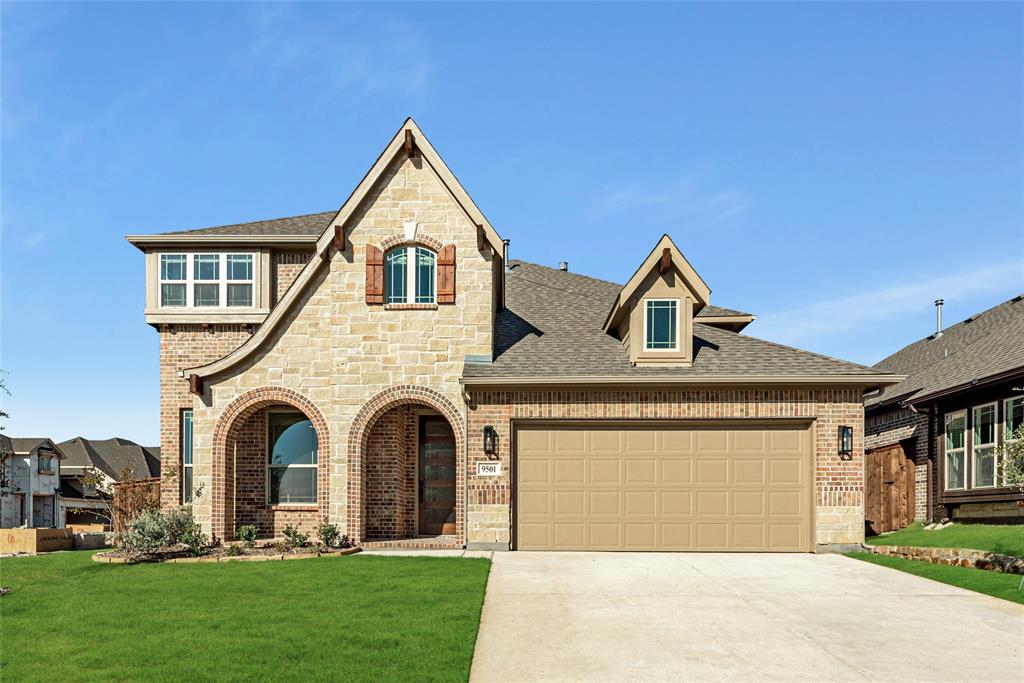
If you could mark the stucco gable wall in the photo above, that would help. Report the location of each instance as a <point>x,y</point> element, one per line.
<point>338,352</point>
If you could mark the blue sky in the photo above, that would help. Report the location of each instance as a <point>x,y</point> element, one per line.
<point>832,168</point>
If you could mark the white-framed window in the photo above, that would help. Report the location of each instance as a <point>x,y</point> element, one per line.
<point>956,450</point>
<point>291,459</point>
<point>206,280</point>
<point>661,325</point>
<point>983,445</point>
<point>1013,418</point>
<point>410,275</point>
<point>173,279</point>
<point>186,457</point>
<point>45,464</point>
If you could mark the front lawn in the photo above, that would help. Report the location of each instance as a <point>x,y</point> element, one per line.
<point>978,580</point>
<point>338,618</point>
<point>998,538</point>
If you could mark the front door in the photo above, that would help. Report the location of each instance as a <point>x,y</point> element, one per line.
<point>437,476</point>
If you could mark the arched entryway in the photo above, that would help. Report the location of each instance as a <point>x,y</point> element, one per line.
<point>271,461</point>
<point>406,470</point>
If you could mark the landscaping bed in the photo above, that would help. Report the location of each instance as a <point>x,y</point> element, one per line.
<point>269,551</point>
<point>1005,539</point>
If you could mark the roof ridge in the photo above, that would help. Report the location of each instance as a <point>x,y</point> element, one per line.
<point>515,262</point>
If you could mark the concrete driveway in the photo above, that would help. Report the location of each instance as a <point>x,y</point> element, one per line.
<point>659,616</point>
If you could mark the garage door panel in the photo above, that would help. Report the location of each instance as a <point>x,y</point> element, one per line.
<point>664,488</point>
<point>748,504</point>
<point>608,503</point>
<point>676,504</point>
<point>642,503</point>
<point>605,471</point>
<point>641,471</point>
<point>713,471</point>
<point>676,471</point>
<point>570,471</point>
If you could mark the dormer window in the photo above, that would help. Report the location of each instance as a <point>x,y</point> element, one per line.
<point>410,274</point>
<point>661,325</point>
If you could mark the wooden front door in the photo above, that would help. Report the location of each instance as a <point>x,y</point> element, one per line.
<point>437,476</point>
<point>888,489</point>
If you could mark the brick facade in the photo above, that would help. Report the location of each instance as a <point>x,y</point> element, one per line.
<point>181,347</point>
<point>839,485</point>
<point>287,265</point>
<point>902,425</point>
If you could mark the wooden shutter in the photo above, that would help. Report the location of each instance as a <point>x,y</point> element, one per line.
<point>446,275</point>
<point>374,275</point>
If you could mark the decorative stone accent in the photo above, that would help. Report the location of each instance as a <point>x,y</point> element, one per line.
<point>109,559</point>
<point>959,557</point>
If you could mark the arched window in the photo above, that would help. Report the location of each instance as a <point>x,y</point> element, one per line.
<point>410,275</point>
<point>291,459</point>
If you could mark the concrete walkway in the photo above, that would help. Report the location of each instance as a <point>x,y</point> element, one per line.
<point>660,616</point>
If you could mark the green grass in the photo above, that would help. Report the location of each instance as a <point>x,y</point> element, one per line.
<point>978,580</point>
<point>997,538</point>
<point>340,618</point>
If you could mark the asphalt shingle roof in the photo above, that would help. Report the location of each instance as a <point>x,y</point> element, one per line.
<point>310,225</point>
<point>30,443</point>
<point>553,326</point>
<point>111,456</point>
<point>987,344</point>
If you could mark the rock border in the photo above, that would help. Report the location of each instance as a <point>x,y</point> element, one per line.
<point>104,558</point>
<point>960,557</point>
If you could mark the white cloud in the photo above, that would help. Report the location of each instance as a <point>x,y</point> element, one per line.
<point>345,61</point>
<point>685,196</point>
<point>799,325</point>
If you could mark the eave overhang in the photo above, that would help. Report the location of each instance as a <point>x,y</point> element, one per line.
<point>145,242</point>
<point>867,381</point>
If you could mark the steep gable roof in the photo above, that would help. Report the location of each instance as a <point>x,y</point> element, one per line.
<point>553,330</point>
<point>31,444</point>
<point>111,456</point>
<point>986,345</point>
<point>679,262</point>
<point>408,134</point>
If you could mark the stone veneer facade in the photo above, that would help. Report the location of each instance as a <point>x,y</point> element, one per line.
<point>839,485</point>
<point>339,353</point>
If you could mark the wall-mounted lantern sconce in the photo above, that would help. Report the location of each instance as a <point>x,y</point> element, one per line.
<point>845,443</point>
<point>490,440</point>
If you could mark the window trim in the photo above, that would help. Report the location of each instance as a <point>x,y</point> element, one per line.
<point>39,464</point>
<point>675,347</point>
<point>222,281</point>
<point>411,276</point>
<point>186,494</point>
<point>268,449</point>
<point>949,417</point>
<point>993,445</point>
<point>1005,432</point>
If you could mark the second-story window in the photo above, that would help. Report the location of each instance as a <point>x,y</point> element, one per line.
<point>661,325</point>
<point>172,279</point>
<point>410,275</point>
<point>206,280</point>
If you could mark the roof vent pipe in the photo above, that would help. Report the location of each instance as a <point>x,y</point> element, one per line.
<point>504,256</point>
<point>938,317</point>
<point>563,265</point>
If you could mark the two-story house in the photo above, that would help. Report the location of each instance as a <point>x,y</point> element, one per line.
<point>30,484</point>
<point>386,367</point>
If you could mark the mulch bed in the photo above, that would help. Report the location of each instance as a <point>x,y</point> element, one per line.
<point>220,554</point>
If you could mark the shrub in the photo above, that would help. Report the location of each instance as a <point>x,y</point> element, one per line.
<point>178,522</point>
<point>281,546</point>
<point>195,540</point>
<point>346,542</point>
<point>328,534</point>
<point>294,537</point>
<point>146,533</point>
<point>247,533</point>
<point>234,550</point>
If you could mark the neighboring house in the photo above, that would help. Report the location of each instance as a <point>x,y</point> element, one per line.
<point>963,397</point>
<point>111,460</point>
<point>387,368</point>
<point>30,484</point>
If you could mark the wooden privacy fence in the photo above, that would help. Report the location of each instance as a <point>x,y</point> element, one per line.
<point>132,498</point>
<point>888,489</point>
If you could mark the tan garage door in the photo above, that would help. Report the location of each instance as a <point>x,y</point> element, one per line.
<point>657,487</point>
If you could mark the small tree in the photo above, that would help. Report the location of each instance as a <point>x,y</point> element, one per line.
<point>1012,456</point>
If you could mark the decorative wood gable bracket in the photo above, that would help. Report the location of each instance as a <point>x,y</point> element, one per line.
<point>195,384</point>
<point>410,145</point>
<point>666,261</point>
